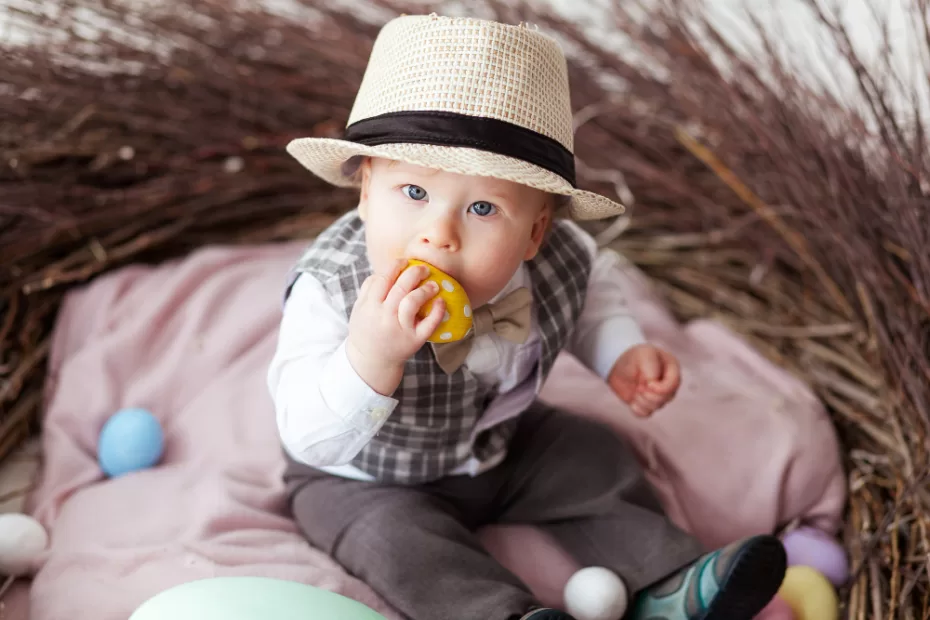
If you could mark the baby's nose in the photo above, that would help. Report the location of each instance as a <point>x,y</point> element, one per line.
<point>441,234</point>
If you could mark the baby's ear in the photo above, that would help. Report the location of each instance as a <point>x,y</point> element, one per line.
<point>540,230</point>
<point>364,172</point>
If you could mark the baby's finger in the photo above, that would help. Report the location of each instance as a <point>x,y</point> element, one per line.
<point>405,283</point>
<point>388,279</point>
<point>671,377</point>
<point>377,285</point>
<point>640,408</point>
<point>650,365</point>
<point>432,320</point>
<point>365,288</point>
<point>654,398</point>
<point>413,301</point>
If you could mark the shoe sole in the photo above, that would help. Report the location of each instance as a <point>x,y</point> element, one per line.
<point>751,582</point>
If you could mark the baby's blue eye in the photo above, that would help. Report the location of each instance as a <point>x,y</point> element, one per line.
<point>414,192</point>
<point>482,208</point>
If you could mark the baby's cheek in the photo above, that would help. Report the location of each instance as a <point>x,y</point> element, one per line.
<point>382,254</point>
<point>486,278</point>
<point>385,242</point>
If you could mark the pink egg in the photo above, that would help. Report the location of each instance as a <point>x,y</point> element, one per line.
<point>808,546</point>
<point>777,609</point>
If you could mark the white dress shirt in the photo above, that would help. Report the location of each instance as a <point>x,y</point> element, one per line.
<point>326,413</point>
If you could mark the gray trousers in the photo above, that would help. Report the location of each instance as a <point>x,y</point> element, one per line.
<point>416,545</point>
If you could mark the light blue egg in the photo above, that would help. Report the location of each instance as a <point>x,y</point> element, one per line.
<point>132,439</point>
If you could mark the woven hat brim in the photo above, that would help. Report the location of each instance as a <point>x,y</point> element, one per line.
<point>325,157</point>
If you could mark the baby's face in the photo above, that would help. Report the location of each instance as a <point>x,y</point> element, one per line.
<point>476,229</point>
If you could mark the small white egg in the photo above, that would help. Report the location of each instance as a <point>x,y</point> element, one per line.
<point>595,593</point>
<point>22,541</point>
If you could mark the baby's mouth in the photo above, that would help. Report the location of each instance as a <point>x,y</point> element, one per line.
<point>437,266</point>
<point>450,272</point>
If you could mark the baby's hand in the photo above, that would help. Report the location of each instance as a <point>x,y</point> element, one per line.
<point>384,330</point>
<point>646,378</point>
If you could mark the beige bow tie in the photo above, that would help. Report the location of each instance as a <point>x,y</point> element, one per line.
<point>509,318</point>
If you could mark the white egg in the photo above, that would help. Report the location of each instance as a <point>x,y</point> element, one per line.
<point>595,593</point>
<point>22,541</point>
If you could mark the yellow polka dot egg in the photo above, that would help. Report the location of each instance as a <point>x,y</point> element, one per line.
<point>458,319</point>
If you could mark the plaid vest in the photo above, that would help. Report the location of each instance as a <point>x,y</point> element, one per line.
<point>431,431</point>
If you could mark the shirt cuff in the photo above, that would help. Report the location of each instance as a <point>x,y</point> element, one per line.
<point>600,347</point>
<point>347,395</point>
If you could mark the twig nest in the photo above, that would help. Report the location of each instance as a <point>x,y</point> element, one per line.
<point>595,593</point>
<point>458,317</point>
<point>22,542</point>
<point>808,546</point>
<point>810,594</point>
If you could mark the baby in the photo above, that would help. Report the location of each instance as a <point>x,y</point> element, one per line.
<point>398,448</point>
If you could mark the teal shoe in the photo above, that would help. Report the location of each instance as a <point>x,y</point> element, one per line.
<point>732,583</point>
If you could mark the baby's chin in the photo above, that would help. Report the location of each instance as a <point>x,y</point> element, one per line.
<point>482,285</point>
<point>481,293</point>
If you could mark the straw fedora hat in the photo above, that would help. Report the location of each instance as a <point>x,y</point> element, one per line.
<point>467,96</point>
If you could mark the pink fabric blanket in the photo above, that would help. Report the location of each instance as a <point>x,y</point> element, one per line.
<point>743,449</point>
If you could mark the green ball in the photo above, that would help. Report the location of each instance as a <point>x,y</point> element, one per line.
<point>251,598</point>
